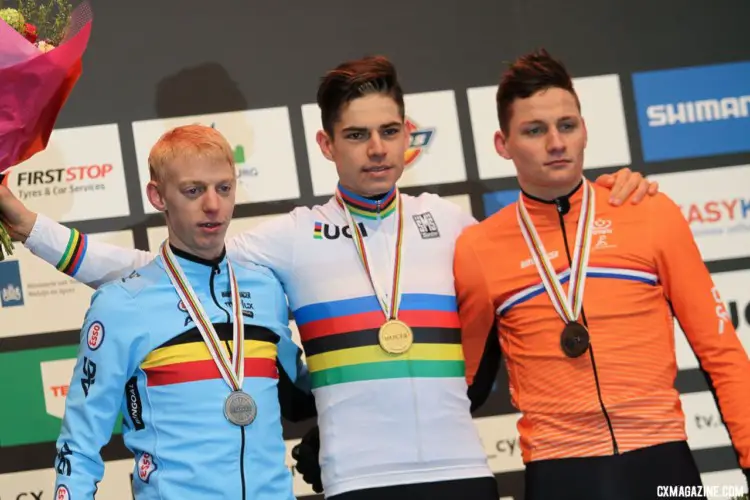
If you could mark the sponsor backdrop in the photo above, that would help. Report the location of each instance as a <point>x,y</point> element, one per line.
<point>663,92</point>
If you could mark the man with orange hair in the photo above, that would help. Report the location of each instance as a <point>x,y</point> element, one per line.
<point>592,374</point>
<point>195,374</point>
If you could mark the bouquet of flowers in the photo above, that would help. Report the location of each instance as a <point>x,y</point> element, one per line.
<point>42,43</point>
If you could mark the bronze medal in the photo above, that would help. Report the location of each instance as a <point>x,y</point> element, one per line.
<point>574,339</point>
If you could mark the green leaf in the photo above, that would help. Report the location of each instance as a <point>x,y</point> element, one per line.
<point>50,17</point>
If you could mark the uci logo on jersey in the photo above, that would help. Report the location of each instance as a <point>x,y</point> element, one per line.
<point>332,232</point>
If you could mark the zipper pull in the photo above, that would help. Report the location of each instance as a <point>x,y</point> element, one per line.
<point>563,205</point>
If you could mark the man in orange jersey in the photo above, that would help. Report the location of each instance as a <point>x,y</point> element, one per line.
<point>592,373</point>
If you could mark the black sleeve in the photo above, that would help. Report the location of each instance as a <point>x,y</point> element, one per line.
<point>296,404</point>
<point>486,374</point>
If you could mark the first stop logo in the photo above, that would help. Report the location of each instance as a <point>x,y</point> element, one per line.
<point>56,181</point>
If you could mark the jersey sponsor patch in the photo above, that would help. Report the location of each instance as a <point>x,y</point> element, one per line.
<point>188,318</point>
<point>247,306</point>
<point>130,276</point>
<point>721,311</point>
<point>95,335</point>
<point>323,230</point>
<point>63,463</point>
<point>602,235</point>
<point>135,408</point>
<point>62,493</point>
<point>146,467</point>
<point>89,375</point>
<point>427,226</point>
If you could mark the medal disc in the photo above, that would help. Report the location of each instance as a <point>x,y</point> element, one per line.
<point>240,408</point>
<point>574,339</point>
<point>395,337</point>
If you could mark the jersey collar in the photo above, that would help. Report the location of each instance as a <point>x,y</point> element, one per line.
<point>183,255</point>
<point>378,207</point>
<point>197,269</point>
<point>565,204</point>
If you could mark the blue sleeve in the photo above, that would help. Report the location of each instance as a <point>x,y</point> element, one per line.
<point>295,387</point>
<point>295,394</point>
<point>290,357</point>
<point>106,357</point>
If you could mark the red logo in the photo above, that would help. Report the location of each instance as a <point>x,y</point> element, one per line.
<point>95,335</point>
<point>146,467</point>
<point>62,493</point>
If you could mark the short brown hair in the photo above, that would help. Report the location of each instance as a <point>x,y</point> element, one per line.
<point>528,75</point>
<point>353,79</point>
<point>188,141</point>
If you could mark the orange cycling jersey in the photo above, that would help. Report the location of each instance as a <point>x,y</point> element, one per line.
<point>644,267</point>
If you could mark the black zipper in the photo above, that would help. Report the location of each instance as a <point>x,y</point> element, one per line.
<point>615,448</point>
<point>215,269</point>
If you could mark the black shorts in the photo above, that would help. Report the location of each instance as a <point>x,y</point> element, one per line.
<point>481,488</point>
<point>635,475</point>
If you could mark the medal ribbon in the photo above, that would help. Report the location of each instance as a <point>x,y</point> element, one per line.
<point>233,373</point>
<point>569,308</point>
<point>390,309</point>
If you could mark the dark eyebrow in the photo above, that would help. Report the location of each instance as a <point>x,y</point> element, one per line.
<point>541,122</point>
<point>364,129</point>
<point>391,124</point>
<point>353,129</point>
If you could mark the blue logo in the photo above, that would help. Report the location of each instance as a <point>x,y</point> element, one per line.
<point>497,200</point>
<point>11,291</point>
<point>694,112</point>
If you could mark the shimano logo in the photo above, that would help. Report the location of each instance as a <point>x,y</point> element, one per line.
<point>706,110</point>
<point>693,112</point>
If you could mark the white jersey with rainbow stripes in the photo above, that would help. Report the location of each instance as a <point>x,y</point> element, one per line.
<point>384,419</point>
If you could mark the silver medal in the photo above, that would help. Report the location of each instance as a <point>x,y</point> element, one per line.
<point>240,408</point>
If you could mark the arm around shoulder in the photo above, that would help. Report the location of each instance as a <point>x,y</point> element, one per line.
<point>270,244</point>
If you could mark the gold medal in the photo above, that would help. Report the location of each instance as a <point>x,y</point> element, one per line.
<point>395,337</point>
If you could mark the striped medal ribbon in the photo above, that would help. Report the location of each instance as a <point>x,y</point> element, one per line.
<point>394,336</point>
<point>239,408</point>
<point>575,337</point>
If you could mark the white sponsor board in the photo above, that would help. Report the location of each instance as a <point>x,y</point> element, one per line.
<point>261,140</point>
<point>78,176</point>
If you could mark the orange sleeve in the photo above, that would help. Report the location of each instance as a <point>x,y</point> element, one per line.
<point>704,319</point>
<point>475,309</point>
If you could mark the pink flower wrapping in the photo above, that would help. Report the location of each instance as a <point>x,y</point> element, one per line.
<point>34,86</point>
